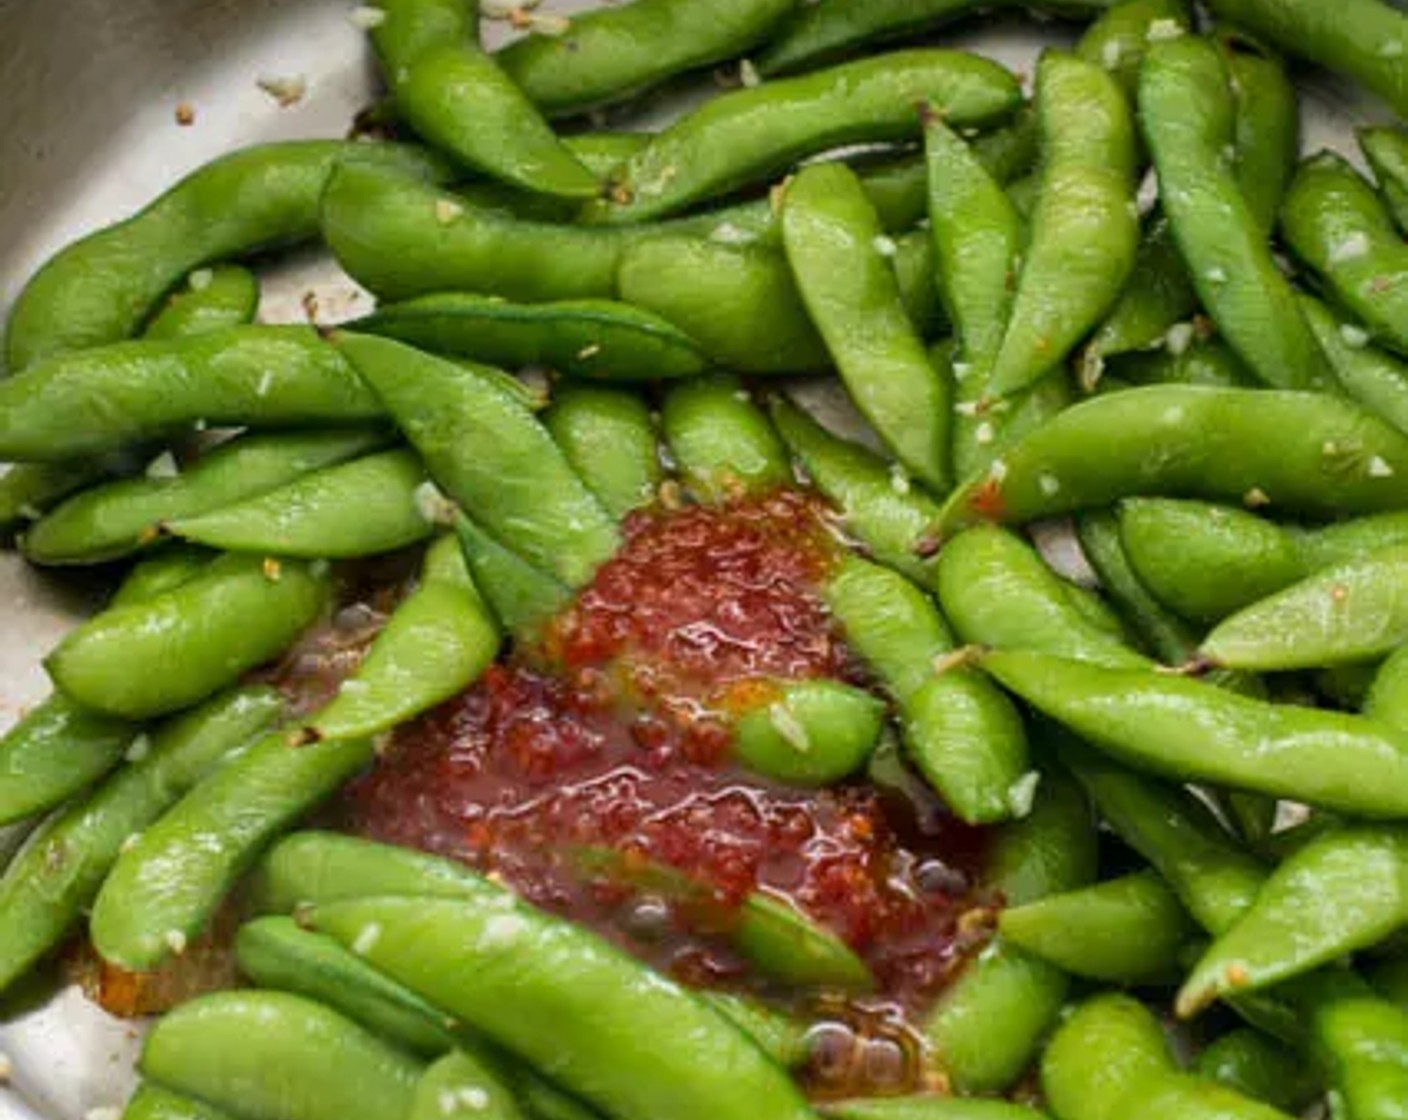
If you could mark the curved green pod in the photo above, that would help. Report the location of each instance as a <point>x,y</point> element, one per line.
<point>308,517</point>
<point>1193,731</point>
<point>593,339</point>
<point>835,248</point>
<point>1188,111</point>
<point>488,451</point>
<point>1362,1042</point>
<point>152,1103</point>
<point>1334,222</point>
<point>457,97</point>
<point>928,1108</point>
<point>1259,1067</point>
<point>826,32</point>
<point>29,490</point>
<point>101,289</point>
<point>746,136</point>
<point>166,653</point>
<point>45,889</point>
<point>1386,149</point>
<point>465,1080</point>
<point>1296,453</point>
<point>609,437</point>
<point>607,55</point>
<point>1085,228</point>
<point>115,519</point>
<point>1212,363</point>
<point>723,444</point>
<point>162,571</point>
<point>272,1056</point>
<point>1157,297</point>
<point>436,643</point>
<point>55,750</point>
<point>224,296</point>
<point>93,401</point>
<point>809,732</point>
<point>1375,378</point>
<point>1119,40</point>
<point>521,596</point>
<point>1343,614</point>
<point>1131,1051</point>
<point>538,986</point>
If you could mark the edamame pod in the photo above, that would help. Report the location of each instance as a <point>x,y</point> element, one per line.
<point>224,296</point>
<point>809,732</point>
<point>1334,222</point>
<point>723,443</point>
<point>153,1103</point>
<point>28,490</point>
<point>271,1056</point>
<point>606,55</point>
<point>164,888</point>
<point>609,439</point>
<point>163,571</point>
<point>1267,129</point>
<point>521,596</point>
<point>587,338</point>
<point>1259,1067</point>
<point>457,97</point>
<point>1193,731</point>
<point>118,518</point>
<point>1131,1051</point>
<point>106,398</point>
<point>1343,614</point>
<point>308,517</point>
<point>1188,111</point>
<point>1210,363</point>
<point>1375,378</point>
<point>1363,1044</point>
<point>101,289</point>
<point>490,454</point>
<point>54,751</point>
<point>928,1108</point>
<point>782,1036</point>
<point>1122,931</point>
<point>1120,38</point>
<point>825,32</point>
<point>1085,230</point>
<point>1302,453</point>
<point>436,643</point>
<point>467,1082</point>
<point>745,136</point>
<point>1156,299</point>
<point>509,971</point>
<point>45,889</point>
<point>169,652</point>
<point>1386,149</point>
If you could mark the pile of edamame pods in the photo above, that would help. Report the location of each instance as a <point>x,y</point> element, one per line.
<point>1185,776</point>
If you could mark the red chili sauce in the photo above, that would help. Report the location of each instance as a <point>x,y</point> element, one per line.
<point>611,735</point>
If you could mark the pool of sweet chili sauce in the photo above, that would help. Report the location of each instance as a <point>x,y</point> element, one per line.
<point>610,734</point>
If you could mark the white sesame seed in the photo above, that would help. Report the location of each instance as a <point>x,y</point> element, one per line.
<point>726,233</point>
<point>786,723</point>
<point>367,17</point>
<point>984,434</point>
<point>139,749</point>
<point>266,382</point>
<point>998,471</point>
<point>1379,468</point>
<point>885,246</point>
<point>366,939</point>
<point>353,687</point>
<point>1216,275</point>
<point>432,505</point>
<point>1164,29</point>
<point>967,408</point>
<point>130,842</point>
<point>1255,498</point>
<point>286,91</point>
<point>1048,484</point>
<point>961,370</point>
<point>590,351</point>
<point>748,75</point>
<point>447,210</point>
<point>1110,53</point>
<point>175,941</point>
<point>474,1098</point>
<point>1021,795</point>
<point>200,279</point>
<point>1353,247</point>
<point>1354,337</point>
<point>163,466</point>
<point>899,481</point>
<point>1179,338</point>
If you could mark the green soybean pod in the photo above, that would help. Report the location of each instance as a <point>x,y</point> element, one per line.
<point>465,1081</point>
<point>609,438</point>
<point>928,1108</point>
<point>1334,222</point>
<point>162,571</point>
<point>782,1036</point>
<point>748,135</point>
<point>1188,111</point>
<point>1130,930</point>
<point>1387,699</point>
<point>56,749</point>
<point>224,296</point>
<point>1120,38</point>
<point>510,972</point>
<point>1267,129</point>
<point>594,339</point>
<point>1260,1067</point>
<point>1364,39</point>
<point>1211,362</point>
<point>834,245</point>
<point>521,596</point>
<point>607,55</point>
<point>167,653</point>
<point>165,887</point>
<point>1085,229</point>
<point>488,451</point>
<point>117,518</point>
<point>808,732</point>
<point>1375,378</point>
<point>1386,149</point>
<point>1362,1042</point>
<point>94,401</point>
<point>1158,296</point>
<point>723,443</point>
<point>307,518</point>
<point>102,288</point>
<point>822,33</point>
<point>1131,1049</point>
<point>272,1056</point>
<point>989,1024</point>
<point>28,490</point>
<point>152,1103</point>
<point>740,302</point>
<point>59,872</point>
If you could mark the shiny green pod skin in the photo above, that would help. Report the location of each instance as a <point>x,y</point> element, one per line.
<point>1340,615</point>
<point>1210,362</point>
<point>162,571</point>
<point>1085,229</point>
<point>150,1102</point>
<point>723,444</point>
<point>748,135</point>
<point>464,1079</point>
<point>456,96</point>
<point>809,732</point>
<point>1375,378</point>
<point>43,892</point>
<point>116,519</point>
<point>962,735</point>
<point>1386,149</point>
<point>99,400</point>
<point>522,596</point>
<point>1362,1042</point>
<point>1120,38</point>
<point>224,296</point>
<point>102,288</point>
<point>1260,1067</point>
<point>488,451</point>
<point>55,750</point>
<point>609,439</point>
<point>928,1108</point>
<point>1364,39</point>
<point>591,339</point>
<point>987,1026</point>
<point>833,243</point>
<point>273,1056</point>
<point>608,55</point>
<point>436,643</point>
<point>28,490</point>
<point>1304,453</point>
<point>1193,731</point>
<point>172,651</point>
<point>1157,297</point>
<point>1122,931</point>
<point>509,971</point>
<point>1337,226</point>
<point>1187,109</point>
<point>308,517</point>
